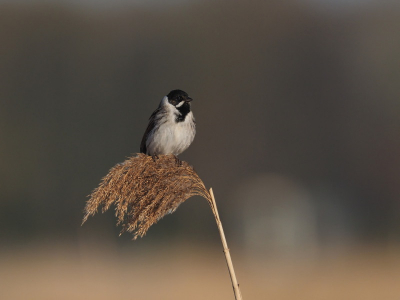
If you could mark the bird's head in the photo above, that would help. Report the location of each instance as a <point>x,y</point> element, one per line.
<point>179,98</point>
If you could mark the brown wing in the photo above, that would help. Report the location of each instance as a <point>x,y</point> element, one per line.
<point>150,127</point>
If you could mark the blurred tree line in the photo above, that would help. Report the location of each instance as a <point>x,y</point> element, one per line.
<point>279,87</point>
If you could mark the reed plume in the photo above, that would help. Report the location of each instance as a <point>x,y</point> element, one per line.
<point>144,189</point>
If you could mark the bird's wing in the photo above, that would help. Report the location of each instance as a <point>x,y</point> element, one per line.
<point>150,127</point>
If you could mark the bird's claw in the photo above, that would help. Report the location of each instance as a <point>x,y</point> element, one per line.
<point>178,161</point>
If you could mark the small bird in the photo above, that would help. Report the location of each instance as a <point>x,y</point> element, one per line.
<point>171,127</point>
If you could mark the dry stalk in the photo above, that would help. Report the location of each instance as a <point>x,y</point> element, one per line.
<point>144,189</point>
<point>235,284</point>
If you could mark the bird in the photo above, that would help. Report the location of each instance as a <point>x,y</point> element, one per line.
<point>171,127</point>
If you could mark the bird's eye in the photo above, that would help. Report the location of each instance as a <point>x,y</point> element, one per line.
<point>173,101</point>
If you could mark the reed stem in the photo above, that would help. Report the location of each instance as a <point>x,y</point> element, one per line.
<point>235,284</point>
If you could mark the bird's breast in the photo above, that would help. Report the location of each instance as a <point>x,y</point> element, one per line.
<point>172,137</point>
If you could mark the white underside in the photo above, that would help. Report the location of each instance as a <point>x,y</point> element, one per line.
<point>171,137</point>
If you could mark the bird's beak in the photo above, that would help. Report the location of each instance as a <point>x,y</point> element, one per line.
<point>188,99</point>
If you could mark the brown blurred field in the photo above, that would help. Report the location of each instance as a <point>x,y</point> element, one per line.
<point>195,272</point>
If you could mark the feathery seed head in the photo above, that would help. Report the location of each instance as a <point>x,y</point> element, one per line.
<point>144,190</point>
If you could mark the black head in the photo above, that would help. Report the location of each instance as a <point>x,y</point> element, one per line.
<point>177,96</point>
<point>181,101</point>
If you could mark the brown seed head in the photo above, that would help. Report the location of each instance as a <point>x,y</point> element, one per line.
<point>144,190</point>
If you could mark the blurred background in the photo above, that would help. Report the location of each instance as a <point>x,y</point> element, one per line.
<point>297,104</point>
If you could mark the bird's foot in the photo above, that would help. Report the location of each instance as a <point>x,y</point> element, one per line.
<point>154,157</point>
<point>178,161</point>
